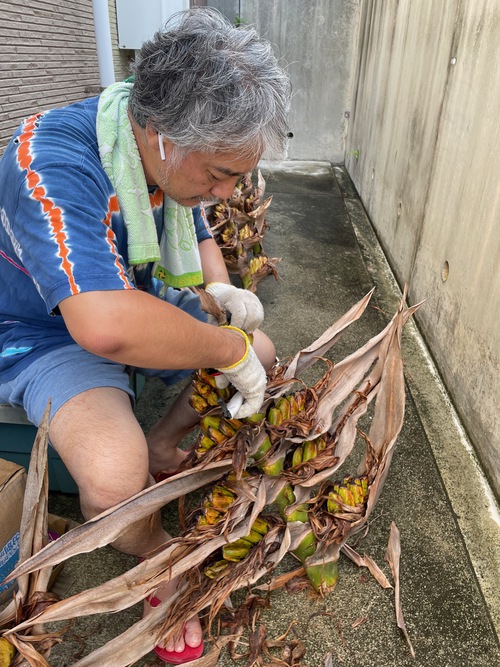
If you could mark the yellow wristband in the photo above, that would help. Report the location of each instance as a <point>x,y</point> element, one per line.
<point>247,346</point>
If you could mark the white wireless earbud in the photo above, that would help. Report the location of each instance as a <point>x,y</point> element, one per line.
<point>162,147</point>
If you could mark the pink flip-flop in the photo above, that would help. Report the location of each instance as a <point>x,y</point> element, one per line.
<point>173,657</point>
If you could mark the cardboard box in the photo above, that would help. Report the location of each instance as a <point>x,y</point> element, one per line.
<point>12,486</point>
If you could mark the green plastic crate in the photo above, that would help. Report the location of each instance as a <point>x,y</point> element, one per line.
<point>16,441</point>
<point>17,435</point>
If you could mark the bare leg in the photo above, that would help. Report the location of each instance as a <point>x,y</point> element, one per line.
<point>168,432</point>
<point>164,437</point>
<point>105,451</point>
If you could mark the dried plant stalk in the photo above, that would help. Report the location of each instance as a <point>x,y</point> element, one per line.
<point>299,440</point>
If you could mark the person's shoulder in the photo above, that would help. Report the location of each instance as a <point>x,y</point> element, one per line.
<point>65,135</point>
<point>76,117</point>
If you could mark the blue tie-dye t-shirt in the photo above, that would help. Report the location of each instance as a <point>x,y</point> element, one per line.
<point>61,230</point>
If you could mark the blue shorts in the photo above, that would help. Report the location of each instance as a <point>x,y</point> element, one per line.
<point>70,370</point>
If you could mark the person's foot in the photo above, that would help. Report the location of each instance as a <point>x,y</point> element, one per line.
<point>192,635</point>
<point>165,436</point>
<point>165,460</point>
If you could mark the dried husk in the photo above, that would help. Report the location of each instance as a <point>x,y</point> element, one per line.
<point>32,596</point>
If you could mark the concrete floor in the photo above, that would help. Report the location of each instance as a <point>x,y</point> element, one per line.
<point>435,492</point>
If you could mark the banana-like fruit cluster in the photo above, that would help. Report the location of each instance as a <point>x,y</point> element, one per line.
<point>206,394</point>
<point>230,232</point>
<point>257,263</point>
<point>352,491</point>
<point>286,407</point>
<point>257,267</point>
<point>238,224</point>
<point>216,505</point>
<point>220,211</point>
<point>283,409</point>
<point>249,203</point>
<point>238,550</point>
<point>246,232</point>
<point>308,450</point>
<point>215,431</point>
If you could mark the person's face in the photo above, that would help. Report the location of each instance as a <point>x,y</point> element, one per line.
<point>200,176</point>
<point>197,177</point>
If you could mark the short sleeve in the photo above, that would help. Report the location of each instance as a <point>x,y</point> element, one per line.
<point>201,224</point>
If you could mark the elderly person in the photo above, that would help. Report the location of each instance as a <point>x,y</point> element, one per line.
<point>102,226</point>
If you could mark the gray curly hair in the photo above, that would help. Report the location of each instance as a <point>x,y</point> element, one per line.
<point>209,86</point>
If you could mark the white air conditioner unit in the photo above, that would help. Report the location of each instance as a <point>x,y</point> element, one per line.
<point>138,20</point>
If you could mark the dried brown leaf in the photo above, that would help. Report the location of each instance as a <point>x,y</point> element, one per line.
<point>210,305</point>
<point>369,563</point>
<point>104,528</point>
<point>133,585</point>
<point>328,660</point>
<point>34,529</point>
<point>306,357</point>
<point>393,557</point>
<point>348,374</point>
<point>28,651</point>
<point>256,640</point>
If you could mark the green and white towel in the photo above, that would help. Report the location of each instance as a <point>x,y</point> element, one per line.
<point>176,257</point>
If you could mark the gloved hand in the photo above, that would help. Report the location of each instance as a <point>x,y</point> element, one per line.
<point>246,310</point>
<point>247,376</point>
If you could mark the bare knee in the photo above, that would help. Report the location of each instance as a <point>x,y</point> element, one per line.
<point>103,446</point>
<point>264,348</point>
<point>100,494</point>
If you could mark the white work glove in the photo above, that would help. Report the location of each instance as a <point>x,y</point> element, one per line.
<point>247,376</point>
<point>246,310</point>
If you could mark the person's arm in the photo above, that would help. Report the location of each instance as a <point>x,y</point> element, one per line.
<point>212,262</point>
<point>138,329</point>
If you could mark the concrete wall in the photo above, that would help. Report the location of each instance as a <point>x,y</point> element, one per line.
<point>47,58</point>
<point>316,38</point>
<point>423,152</point>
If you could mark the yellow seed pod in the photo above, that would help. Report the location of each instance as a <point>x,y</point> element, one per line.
<point>7,652</point>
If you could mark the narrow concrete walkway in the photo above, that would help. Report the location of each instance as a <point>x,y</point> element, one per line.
<point>435,493</point>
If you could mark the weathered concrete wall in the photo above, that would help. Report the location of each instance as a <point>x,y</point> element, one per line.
<point>423,152</point>
<point>316,39</point>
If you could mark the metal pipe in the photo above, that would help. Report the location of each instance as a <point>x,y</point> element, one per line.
<point>103,39</point>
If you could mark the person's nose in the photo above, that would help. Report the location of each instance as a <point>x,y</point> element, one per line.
<point>224,189</point>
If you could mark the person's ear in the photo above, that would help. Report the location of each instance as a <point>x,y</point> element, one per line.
<point>155,140</point>
<point>151,137</point>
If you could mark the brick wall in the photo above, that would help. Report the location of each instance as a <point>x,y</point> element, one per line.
<point>48,57</point>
